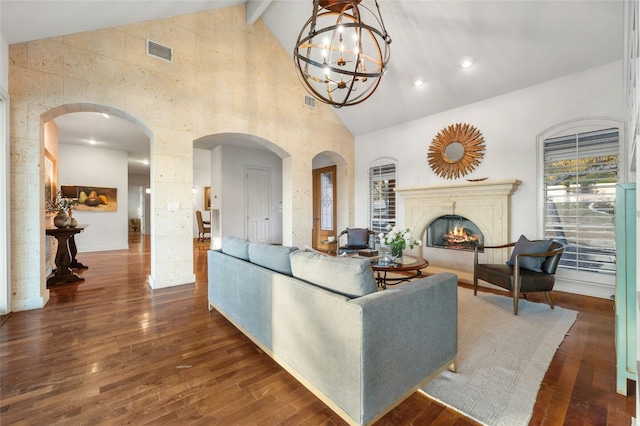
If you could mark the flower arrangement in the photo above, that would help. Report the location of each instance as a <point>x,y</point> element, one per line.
<point>60,203</point>
<point>398,239</point>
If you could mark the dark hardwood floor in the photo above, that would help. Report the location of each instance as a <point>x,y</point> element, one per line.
<point>112,351</point>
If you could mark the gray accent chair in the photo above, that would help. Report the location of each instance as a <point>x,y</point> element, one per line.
<point>357,239</point>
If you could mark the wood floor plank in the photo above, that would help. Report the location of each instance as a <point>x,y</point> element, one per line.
<point>112,351</point>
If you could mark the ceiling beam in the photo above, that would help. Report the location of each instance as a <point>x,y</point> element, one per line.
<point>254,10</point>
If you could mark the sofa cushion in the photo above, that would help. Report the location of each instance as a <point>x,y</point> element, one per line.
<point>349,276</point>
<point>271,257</point>
<point>236,247</point>
<point>524,246</point>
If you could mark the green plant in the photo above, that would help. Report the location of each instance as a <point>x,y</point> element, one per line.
<point>60,203</point>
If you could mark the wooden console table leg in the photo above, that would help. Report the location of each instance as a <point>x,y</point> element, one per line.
<point>64,256</point>
<point>73,250</point>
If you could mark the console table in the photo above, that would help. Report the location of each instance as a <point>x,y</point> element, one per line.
<point>65,255</point>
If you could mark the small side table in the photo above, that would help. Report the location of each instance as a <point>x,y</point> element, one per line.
<point>65,255</point>
<point>333,246</point>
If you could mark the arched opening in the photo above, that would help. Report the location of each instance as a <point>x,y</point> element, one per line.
<point>330,205</point>
<point>96,147</point>
<point>243,176</point>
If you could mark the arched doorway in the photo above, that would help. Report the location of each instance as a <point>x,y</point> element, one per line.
<point>246,186</point>
<point>97,146</point>
<point>329,205</point>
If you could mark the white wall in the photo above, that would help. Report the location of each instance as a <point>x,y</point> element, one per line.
<point>232,200</point>
<point>201,178</point>
<point>89,166</point>
<point>139,183</point>
<point>216,196</point>
<point>509,124</point>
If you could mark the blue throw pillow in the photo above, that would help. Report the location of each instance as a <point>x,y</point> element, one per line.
<point>524,246</point>
<point>236,247</point>
<point>358,237</point>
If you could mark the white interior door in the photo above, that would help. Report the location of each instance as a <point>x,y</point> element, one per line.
<point>258,196</point>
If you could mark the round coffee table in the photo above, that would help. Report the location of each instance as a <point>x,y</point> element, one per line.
<point>404,264</point>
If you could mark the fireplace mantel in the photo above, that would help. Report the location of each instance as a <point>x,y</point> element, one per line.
<point>485,188</point>
<point>487,203</point>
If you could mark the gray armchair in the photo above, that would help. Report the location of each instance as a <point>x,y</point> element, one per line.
<point>532,268</point>
<point>357,239</point>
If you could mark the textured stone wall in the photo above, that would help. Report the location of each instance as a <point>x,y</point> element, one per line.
<point>226,77</point>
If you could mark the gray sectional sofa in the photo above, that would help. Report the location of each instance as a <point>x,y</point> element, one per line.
<point>361,351</point>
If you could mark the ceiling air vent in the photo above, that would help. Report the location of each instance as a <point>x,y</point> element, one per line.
<point>309,101</point>
<point>159,51</point>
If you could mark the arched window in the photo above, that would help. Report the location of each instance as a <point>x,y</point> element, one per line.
<point>382,197</point>
<point>581,165</point>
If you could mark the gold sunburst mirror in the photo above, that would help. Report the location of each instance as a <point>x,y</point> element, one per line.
<point>456,151</point>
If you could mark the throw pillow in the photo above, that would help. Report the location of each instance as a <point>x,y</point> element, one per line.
<point>349,276</point>
<point>235,247</point>
<point>358,237</point>
<point>272,257</point>
<point>524,246</point>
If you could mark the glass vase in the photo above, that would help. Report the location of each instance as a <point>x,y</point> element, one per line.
<point>396,251</point>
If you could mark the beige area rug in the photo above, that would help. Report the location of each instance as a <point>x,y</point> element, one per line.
<point>502,358</point>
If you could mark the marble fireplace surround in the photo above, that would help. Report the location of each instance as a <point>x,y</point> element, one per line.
<point>487,203</point>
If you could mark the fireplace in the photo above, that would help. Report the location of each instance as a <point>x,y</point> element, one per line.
<point>485,204</point>
<point>453,232</point>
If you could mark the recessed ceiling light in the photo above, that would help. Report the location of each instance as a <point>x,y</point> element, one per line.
<point>418,82</point>
<point>466,62</point>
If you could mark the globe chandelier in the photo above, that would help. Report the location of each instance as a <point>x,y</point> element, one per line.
<point>340,58</point>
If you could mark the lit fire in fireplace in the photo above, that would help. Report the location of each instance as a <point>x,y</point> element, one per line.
<point>453,232</point>
<point>460,237</point>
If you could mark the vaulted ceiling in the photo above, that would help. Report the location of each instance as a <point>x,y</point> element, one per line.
<point>515,44</point>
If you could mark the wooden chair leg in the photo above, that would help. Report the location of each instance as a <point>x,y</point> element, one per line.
<point>475,285</point>
<point>515,303</point>
<point>547,294</point>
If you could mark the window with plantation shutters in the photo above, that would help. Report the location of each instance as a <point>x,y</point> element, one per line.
<point>382,197</point>
<point>580,174</point>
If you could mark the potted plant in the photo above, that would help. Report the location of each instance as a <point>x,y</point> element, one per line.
<point>62,206</point>
<point>398,240</point>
